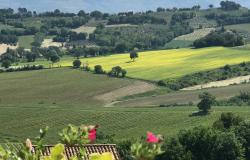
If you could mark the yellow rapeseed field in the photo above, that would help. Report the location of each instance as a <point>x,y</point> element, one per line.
<point>167,64</point>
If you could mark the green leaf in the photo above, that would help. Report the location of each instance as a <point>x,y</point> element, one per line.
<point>57,152</point>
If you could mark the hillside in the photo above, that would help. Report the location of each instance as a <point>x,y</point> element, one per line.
<point>56,97</point>
<point>187,40</point>
<point>125,68</point>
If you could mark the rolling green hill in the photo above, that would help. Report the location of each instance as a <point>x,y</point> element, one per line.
<point>57,97</point>
<point>127,107</point>
<point>57,86</point>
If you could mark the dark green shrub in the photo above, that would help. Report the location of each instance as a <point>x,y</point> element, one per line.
<point>6,63</point>
<point>98,69</point>
<point>227,120</point>
<point>117,72</point>
<point>242,132</point>
<point>77,63</point>
<point>161,83</point>
<point>86,68</point>
<point>124,72</point>
<point>174,151</point>
<point>124,149</point>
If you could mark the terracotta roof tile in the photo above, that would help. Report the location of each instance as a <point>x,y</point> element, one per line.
<point>72,151</point>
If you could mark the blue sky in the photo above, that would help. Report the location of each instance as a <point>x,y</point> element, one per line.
<point>110,6</point>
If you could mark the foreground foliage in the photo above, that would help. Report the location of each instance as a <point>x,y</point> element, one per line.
<point>229,141</point>
<point>202,143</point>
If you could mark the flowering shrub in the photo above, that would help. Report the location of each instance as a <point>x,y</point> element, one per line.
<point>72,135</point>
<point>147,150</point>
<point>78,135</point>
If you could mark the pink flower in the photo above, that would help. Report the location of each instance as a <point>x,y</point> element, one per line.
<point>151,138</point>
<point>92,134</point>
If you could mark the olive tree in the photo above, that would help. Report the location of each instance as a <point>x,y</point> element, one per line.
<point>133,55</point>
<point>207,100</point>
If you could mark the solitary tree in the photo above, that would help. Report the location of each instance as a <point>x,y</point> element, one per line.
<point>133,55</point>
<point>207,100</point>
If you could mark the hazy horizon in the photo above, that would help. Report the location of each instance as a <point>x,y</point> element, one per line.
<point>110,6</point>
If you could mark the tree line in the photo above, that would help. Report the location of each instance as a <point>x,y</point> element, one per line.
<point>135,19</point>
<point>222,73</point>
<point>10,57</point>
<point>220,37</point>
<point>116,71</point>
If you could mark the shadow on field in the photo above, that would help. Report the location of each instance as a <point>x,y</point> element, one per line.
<point>200,113</point>
<point>130,61</point>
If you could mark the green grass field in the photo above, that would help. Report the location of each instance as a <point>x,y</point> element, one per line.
<point>20,122</point>
<point>56,86</point>
<point>240,27</point>
<point>25,41</point>
<point>178,44</point>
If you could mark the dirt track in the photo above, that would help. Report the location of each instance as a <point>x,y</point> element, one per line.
<point>135,88</point>
<point>3,47</point>
<point>49,42</point>
<point>223,83</point>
